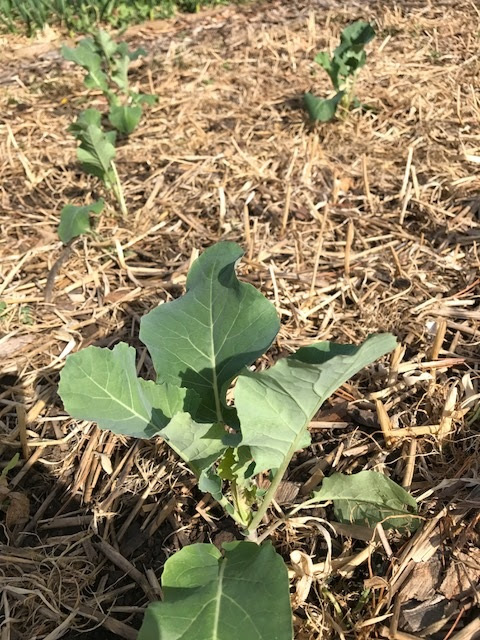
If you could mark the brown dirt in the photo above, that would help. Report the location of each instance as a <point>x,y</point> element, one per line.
<point>370,223</point>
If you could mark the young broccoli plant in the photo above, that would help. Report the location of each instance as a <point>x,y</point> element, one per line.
<point>106,63</point>
<point>201,344</point>
<point>342,67</point>
<point>74,221</point>
<point>96,152</point>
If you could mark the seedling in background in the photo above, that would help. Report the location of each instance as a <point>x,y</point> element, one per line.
<point>74,221</point>
<point>96,152</point>
<point>347,60</point>
<point>106,63</point>
<point>199,344</point>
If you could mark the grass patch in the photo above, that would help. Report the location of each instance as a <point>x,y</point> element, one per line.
<point>84,16</point>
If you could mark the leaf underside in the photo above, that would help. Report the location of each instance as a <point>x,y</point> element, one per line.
<point>244,595</point>
<point>205,338</point>
<point>367,498</point>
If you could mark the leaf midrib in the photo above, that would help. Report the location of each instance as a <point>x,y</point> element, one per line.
<point>213,357</point>
<point>218,600</point>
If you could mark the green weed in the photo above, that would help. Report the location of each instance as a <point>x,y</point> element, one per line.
<point>85,16</point>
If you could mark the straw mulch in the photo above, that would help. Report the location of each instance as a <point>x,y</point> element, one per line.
<point>370,223</point>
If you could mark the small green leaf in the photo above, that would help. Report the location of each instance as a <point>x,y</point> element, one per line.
<point>125,118</point>
<point>96,151</point>
<point>105,44</point>
<point>357,34</point>
<point>367,498</point>
<point>76,220</point>
<point>349,57</point>
<point>243,595</point>
<point>102,385</point>
<point>322,58</point>
<point>144,98</point>
<point>134,55</point>
<point>210,482</point>
<point>205,338</point>
<point>330,66</point>
<point>322,110</point>
<point>11,464</point>
<point>86,56</point>
<point>236,464</point>
<point>275,406</point>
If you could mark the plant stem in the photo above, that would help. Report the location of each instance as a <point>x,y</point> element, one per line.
<point>231,510</point>
<point>118,191</point>
<point>269,496</point>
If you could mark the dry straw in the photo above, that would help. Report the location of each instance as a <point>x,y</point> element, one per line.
<point>368,223</point>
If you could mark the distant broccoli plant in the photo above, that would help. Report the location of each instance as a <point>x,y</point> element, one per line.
<point>106,63</point>
<point>342,67</point>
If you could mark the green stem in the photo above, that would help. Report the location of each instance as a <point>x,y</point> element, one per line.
<point>269,496</point>
<point>118,191</point>
<point>231,510</point>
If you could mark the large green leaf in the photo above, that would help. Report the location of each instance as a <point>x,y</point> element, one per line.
<point>96,151</point>
<point>275,406</point>
<point>205,338</point>
<point>102,385</point>
<point>367,498</point>
<point>76,220</point>
<point>241,596</point>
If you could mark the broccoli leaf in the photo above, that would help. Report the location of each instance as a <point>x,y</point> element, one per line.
<point>86,56</point>
<point>322,110</point>
<point>102,385</point>
<point>125,118</point>
<point>242,595</point>
<point>96,151</point>
<point>367,498</point>
<point>205,338</point>
<point>76,220</point>
<point>275,406</point>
